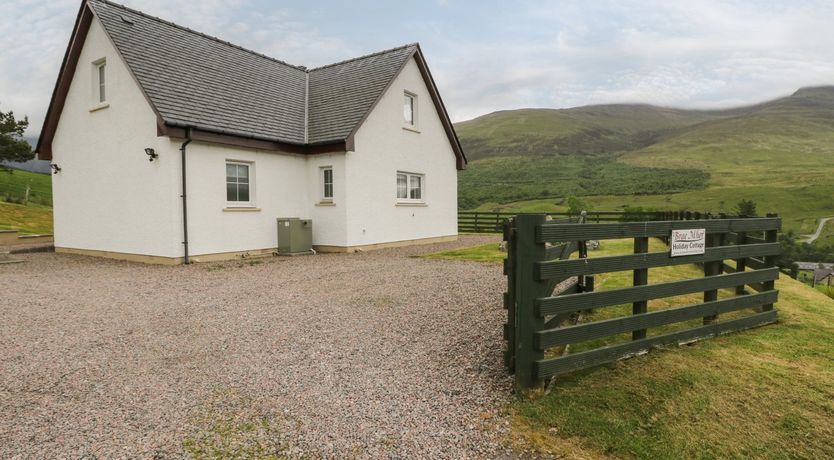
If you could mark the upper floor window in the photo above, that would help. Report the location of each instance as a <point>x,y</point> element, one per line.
<point>238,183</point>
<point>410,109</point>
<point>100,76</point>
<point>327,183</point>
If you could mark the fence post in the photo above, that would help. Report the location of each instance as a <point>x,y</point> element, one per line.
<point>528,289</point>
<point>641,278</point>
<point>741,264</point>
<point>712,269</point>
<point>771,236</point>
<point>510,264</point>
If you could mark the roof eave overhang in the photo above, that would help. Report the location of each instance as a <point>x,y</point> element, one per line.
<point>223,137</point>
<point>460,157</point>
<point>62,83</point>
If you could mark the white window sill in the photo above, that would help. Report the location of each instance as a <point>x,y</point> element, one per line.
<point>241,209</point>
<point>412,129</point>
<point>100,106</point>
<point>325,203</point>
<point>419,204</point>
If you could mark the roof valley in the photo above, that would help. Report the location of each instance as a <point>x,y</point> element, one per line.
<point>306,107</point>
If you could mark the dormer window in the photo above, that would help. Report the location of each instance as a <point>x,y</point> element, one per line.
<point>410,110</point>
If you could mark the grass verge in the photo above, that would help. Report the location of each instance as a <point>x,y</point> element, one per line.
<point>26,219</point>
<point>763,393</point>
<point>483,253</point>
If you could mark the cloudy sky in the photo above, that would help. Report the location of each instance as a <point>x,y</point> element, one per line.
<point>488,55</point>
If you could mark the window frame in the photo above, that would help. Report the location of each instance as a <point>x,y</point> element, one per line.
<point>408,95</point>
<point>410,177</point>
<point>323,184</point>
<point>251,182</point>
<point>100,81</point>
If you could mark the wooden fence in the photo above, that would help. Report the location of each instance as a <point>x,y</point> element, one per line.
<point>493,222</point>
<point>539,328</point>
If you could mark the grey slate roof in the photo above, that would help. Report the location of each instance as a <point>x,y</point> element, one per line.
<point>200,81</point>
<point>813,265</point>
<point>342,93</point>
<point>821,274</point>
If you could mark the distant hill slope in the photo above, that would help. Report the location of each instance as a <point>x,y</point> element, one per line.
<point>779,153</point>
<point>582,130</point>
<point>787,142</point>
<point>610,128</point>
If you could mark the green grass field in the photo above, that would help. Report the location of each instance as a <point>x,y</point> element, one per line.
<point>33,218</point>
<point>13,187</point>
<point>36,216</point>
<point>763,393</point>
<point>799,207</point>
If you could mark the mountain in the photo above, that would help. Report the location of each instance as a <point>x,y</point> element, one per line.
<point>779,153</point>
<point>581,130</point>
<point>611,128</point>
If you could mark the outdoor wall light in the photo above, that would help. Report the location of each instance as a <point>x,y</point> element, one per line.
<point>151,154</point>
<point>55,168</point>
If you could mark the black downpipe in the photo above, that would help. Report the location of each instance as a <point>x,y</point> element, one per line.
<point>184,202</point>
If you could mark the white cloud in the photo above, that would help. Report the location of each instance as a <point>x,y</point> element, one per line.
<point>488,56</point>
<point>691,54</point>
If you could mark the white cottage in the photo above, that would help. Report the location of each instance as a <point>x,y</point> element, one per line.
<point>172,146</point>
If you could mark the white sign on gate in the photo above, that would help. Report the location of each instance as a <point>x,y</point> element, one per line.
<point>688,242</point>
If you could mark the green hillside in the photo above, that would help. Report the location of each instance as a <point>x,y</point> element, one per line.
<point>13,187</point>
<point>600,129</point>
<point>779,153</point>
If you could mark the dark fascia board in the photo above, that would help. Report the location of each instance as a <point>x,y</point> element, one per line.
<point>441,109</point>
<point>461,161</point>
<point>62,83</point>
<point>215,137</point>
<point>65,77</point>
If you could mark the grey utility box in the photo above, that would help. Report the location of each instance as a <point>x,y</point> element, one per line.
<point>295,236</point>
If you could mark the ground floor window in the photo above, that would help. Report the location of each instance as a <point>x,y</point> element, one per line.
<point>238,183</point>
<point>410,187</point>
<point>327,183</point>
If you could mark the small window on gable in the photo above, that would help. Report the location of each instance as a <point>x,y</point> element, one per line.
<point>239,184</point>
<point>100,81</point>
<point>327,183</point>
<point>410,109</point>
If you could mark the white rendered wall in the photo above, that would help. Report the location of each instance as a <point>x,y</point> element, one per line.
<point>329,219</point>
<point>383,147</point>
<point>108,197</point>
<point>284,185</point>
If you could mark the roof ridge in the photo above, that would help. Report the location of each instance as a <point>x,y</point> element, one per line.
<point>195,32</point>
<point>366,56</point>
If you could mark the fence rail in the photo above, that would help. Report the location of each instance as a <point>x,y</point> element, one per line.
<point>537,317</point>
<point>493,222</point>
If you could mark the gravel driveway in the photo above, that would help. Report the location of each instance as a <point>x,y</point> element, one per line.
<point>366,355</point>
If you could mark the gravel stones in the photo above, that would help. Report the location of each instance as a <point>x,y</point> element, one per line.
<point>378,354</point>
